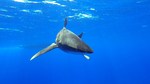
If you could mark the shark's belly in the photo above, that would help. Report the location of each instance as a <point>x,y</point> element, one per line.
<point>70,49</point>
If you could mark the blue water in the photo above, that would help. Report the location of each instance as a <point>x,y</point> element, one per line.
<point>117,30</point>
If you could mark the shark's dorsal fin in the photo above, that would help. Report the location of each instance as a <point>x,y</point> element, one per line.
<point>80,35</point>
<point>65,22</point>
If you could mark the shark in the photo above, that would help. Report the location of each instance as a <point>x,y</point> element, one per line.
<point>67,41</point>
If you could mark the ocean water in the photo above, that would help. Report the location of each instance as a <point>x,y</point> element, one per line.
<point>117,30</point>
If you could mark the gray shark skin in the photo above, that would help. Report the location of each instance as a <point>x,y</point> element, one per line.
<point>67,41</point>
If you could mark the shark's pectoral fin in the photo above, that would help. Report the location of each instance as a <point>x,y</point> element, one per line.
<point>87,57</point>
<point>50,47</point>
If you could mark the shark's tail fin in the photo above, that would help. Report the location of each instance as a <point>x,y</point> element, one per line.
<point>65,22</point>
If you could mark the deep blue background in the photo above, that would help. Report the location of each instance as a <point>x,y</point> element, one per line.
<point>117,30</point>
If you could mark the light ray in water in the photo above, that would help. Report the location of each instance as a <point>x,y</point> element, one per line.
<point>4,15</point>
<point>10,29</point>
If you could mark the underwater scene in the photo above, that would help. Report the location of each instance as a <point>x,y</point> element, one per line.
<point>74,41</point>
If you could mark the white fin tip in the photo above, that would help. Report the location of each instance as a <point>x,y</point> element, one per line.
<point>87,57</point>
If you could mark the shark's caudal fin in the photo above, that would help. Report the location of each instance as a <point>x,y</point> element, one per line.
<point>50,47</point>
<point>65,22</point>
<point>87,57</point>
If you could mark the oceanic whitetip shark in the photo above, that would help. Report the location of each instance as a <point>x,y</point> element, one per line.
<point>68,41</point>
